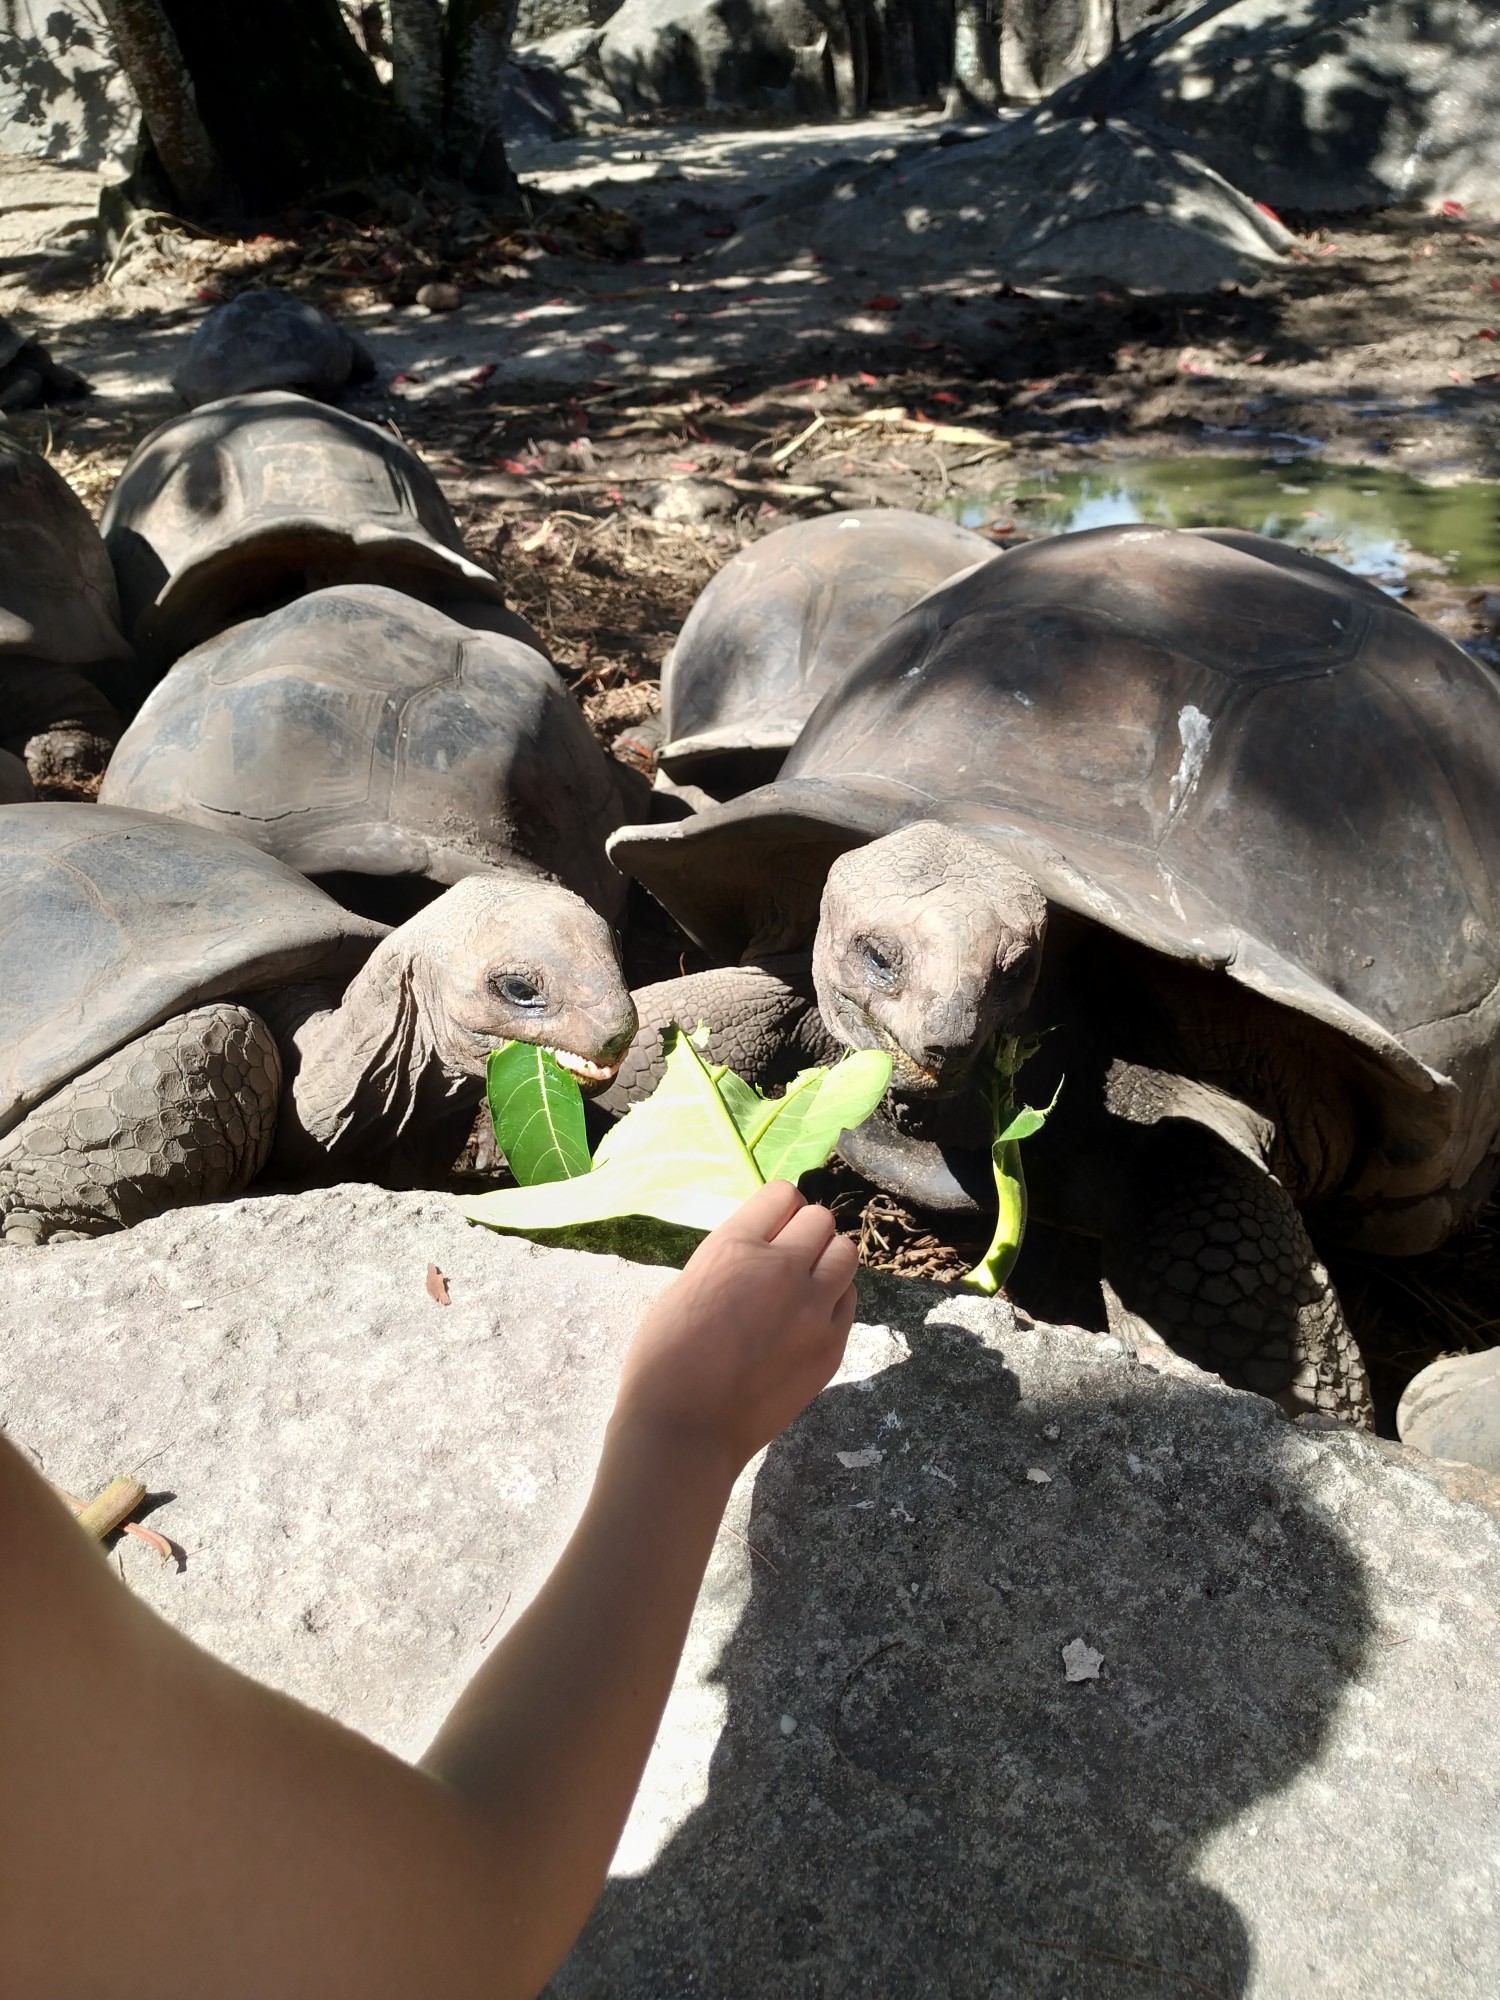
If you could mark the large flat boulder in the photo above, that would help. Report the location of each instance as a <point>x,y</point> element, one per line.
<point>1065,204</point>
<point>1021,1667</point>
<point>1319,104</point>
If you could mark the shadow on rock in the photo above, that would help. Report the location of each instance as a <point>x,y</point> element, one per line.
<point>908,1796</point>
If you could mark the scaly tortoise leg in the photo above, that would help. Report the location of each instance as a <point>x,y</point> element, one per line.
<point>185,1113</point>
<point>1207,1252</point>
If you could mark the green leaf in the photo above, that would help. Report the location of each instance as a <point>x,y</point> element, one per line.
<point>537,1111</point>
<point>702,1143</point>
<point>805,1125</point>
<point>678,1157</point>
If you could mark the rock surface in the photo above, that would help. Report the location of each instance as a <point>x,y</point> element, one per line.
<point>1066,204</point>
<point>783,56</point>
<point>1325,105</point>
<point>1452,1409</point>
<point>879,1772</point>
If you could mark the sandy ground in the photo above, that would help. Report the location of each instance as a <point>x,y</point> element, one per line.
<point>611,427</point>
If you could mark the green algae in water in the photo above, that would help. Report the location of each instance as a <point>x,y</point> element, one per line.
<point>1383,525</point>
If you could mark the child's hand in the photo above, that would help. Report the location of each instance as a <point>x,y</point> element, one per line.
<point>750,1332</point>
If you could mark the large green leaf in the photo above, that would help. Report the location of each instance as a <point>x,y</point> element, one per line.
<point>537,1112</point>
<point>699,1145</point>
<point>800,1130</point>
<point>678,1157</point>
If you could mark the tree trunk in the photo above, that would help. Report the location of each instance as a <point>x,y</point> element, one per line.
<point>149,54</point>
<point>976,51</point>
<point>893,30</point>
<point>417,65</point>
<point>290,102</point>
<point>477,44</point>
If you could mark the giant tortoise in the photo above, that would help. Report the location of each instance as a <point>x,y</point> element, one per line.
<point>185,1008</point>
<point>1221,816</point>
<point>778,625</point>
<point>60,638</point>
<point>244,504</point>
<point>370,741</point>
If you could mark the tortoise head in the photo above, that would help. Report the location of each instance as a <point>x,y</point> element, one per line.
<point>504,957</point>
<point>929,942</point>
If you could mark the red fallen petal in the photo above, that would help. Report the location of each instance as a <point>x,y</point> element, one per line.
<point>1328,249</point>
<point>944,396</point>
<point>600,347</point>
<point>208,295</point>
<point>522,467</point>
<point>684,464</point>
<point>1269,211</point>
<point>883,303</point>
<point>483,373</point>
<point>1454,376</point>
<point>1002,527</point>
<point>399,378</point>
<point>1493,283</point>
<point>681,315</point>
<point>1451,208</point>
<point>870,381</point>
<point>1486,333</point>
<point>718,229</point>
<point>813,382</point>
<point>1047,384</point>
<point>613,493</point>
<point>1258,355</point>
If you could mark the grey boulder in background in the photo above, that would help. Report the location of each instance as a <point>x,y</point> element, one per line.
<point>1319,105</point>
<point>1065,204</point>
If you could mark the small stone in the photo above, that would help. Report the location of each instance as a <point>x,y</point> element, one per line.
<point>440,297</point>
<point>1037,1477</point>
<point>855,1461</point>
<point>1051,1431</point>
<point>1080,1661</point>
<point>789,1725</point>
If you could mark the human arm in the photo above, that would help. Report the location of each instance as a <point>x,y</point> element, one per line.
<point>168,1826</point>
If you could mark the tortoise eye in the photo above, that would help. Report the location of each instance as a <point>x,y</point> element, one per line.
<point>879,966</point>
<point>517,992</point>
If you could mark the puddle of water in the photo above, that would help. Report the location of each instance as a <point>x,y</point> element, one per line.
<point>1382,525</point>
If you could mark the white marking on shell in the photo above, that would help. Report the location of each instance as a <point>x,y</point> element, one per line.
<point>1194,727</point>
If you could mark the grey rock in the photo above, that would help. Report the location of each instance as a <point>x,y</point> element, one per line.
<point>1451,1410</point>
<point>62,94</point>
<point>1066,203</point>
<point>267,339</point>
<point>1324,105</point>
<point>1277,1784</point>
<point>780,56</point>
<point>691,500</point>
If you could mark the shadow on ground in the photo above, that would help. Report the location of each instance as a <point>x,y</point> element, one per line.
<point>908,1797</point>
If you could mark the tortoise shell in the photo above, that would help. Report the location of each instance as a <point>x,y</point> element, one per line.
<point>129,919</point>
<point>781,622</point>
<point>1205,741</point>
<point>58,600</point>
<point>244,504</point>
<point>360,732</point>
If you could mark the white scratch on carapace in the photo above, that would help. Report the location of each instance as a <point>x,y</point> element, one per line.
<point>1193,726</point>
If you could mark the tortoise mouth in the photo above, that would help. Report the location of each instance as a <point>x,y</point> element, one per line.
<point>909,1074</point>
<point>591,1076</point>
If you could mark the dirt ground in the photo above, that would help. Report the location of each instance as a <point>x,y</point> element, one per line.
<point>612,420</point>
